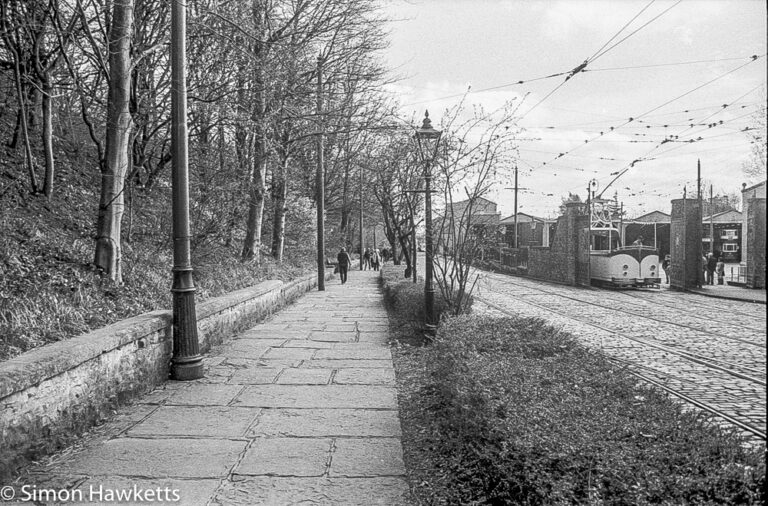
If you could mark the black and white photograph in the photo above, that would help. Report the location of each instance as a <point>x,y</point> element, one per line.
<point>383,252</point>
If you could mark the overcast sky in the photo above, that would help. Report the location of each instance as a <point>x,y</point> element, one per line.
<point>441,47</point>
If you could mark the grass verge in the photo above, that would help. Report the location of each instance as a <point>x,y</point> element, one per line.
<point>513,411</point>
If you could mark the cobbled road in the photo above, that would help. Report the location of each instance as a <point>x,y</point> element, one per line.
<point>710,352</point>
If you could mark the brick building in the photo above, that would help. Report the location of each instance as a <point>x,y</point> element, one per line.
<point>479,215</point>
<point>727,228</point>
<point>531,230</point>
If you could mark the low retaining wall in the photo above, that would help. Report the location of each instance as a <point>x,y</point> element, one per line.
<point>50,394</point>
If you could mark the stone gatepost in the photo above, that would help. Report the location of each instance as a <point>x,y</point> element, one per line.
<point>756,243</point>
<point>685,247</point>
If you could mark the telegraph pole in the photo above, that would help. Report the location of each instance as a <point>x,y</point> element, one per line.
<point>186,363</point>
<point>320,180</point>
<point>700,221</point>
<point>711,222</point>
<point>362,237</point>
<point>514,242</point>
<point>685,241</point>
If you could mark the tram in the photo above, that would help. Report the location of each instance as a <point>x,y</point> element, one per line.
<point>611,263</point>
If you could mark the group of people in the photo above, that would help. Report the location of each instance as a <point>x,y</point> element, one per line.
<point>371,259</point>
<point>713,265</point>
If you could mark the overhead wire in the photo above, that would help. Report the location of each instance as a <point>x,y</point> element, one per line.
<point>631,119</point>
<point>640,28</point>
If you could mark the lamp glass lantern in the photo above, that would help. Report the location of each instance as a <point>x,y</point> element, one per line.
<point>427,139</point>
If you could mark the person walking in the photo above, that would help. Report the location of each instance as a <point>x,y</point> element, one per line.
<point>711,266</point>
<point>344,260</point>
<point>720,269</point>
<point>666,264</point>
<point>366,259</point>
<point>375,260</point>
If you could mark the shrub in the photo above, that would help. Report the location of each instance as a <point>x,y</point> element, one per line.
<point>517,412</point>
<point>406,298</point>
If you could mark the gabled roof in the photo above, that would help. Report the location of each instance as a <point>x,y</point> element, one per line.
<point>521,218</point>
<point>728,216</point>
<point>653,217</point>
<point>477,199</point>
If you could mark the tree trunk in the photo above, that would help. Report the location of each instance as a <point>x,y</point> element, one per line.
<point>252,243</point>
<point>48,136</point>
<point>279,195</point>
<point>108,248</point>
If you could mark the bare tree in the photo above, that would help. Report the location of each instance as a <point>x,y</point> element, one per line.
<point>118,136</point>
<point>755,166</point>
<point>478,153</point>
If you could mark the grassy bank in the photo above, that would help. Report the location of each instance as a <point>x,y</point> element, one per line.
<point>49,290</point>
<point>513,411</point>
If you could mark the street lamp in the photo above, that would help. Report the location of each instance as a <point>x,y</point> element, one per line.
<point>187,363</point>
<point>427,140</point>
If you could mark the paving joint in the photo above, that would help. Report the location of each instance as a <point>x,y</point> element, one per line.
<point>269,422</point>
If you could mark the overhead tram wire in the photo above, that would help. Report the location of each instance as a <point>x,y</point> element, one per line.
<point>631,119</point>
<point>640,28</point>
<point>600,52</point>
<point>569,74</point>
<point>595,56</point>
<point>722,108</point>
<point>672,64</point>
<point>623,171</point>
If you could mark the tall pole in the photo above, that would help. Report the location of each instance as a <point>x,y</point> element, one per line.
<point>362,236</point>
<point>320,181</point>
<point>413,253</point>
<point>700,221</point>
<point>621,225</point>
<point>685,241</point>
<point>514,240</point>
<point>186,362</point>
<point>711,222</point>
<point>429,290</point>
<point>589,234</point>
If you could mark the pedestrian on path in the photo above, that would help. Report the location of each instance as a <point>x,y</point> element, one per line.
<point>344,260</point>
<point>711,266</point>
<point>720,269</point>
<point>366,259</point>
<point>375,260</point>
<point>666,264</point>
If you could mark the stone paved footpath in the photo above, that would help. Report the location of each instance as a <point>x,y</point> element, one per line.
<point>301,408</point>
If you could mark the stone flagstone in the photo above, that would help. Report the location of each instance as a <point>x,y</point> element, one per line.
<point>298,409</point>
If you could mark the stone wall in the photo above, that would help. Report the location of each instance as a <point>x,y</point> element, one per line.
<point>564,261</point>
<point>755,220</point>
<point>685,247</point>
<point>51,394</point>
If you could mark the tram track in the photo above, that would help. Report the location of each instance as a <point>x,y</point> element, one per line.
<point>625,311</point>
<point>667,298</point>
<point>698,359</point>
<point>741,422</point>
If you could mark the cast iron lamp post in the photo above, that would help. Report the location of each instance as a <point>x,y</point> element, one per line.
<point>186,364</point>
<point>427,140</point>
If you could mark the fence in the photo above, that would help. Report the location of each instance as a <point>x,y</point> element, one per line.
<point>737,275</point>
